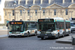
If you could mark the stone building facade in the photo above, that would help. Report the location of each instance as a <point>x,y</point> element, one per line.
<point>0,17</point>
<point>38,9</point>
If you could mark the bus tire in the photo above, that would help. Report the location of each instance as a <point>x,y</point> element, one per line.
<point>57,36</point>
<point>67,34</point>
<point>63,35</point>
<point>9,36</point>
<point>28,34</point>
<point>71,31</point>
<point>42,38</point>
<point>35,33</point>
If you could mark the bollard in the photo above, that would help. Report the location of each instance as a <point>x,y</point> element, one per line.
<point>73,41</point>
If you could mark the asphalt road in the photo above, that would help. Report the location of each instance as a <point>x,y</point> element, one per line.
<point>32,43</point>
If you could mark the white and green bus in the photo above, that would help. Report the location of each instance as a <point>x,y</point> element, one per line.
<point>53,28</point>
<point>22,28</point>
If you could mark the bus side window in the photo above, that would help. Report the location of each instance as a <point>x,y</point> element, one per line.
<point>25,25</point>
<point>57,26</point>
<point>62,25</point>
<point>67,25</point>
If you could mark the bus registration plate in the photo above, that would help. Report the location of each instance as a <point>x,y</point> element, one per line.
<point>46,36</point>
<point>17,32</point>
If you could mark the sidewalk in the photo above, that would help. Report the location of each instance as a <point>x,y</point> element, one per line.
<point>3,31</point>
<point>67,39</point>
<point>3,28</point>
<point>3,36</point>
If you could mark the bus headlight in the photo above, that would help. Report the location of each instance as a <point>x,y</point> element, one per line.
<point>48,32</point>
<point>38,32</point>
<point>53,33</point>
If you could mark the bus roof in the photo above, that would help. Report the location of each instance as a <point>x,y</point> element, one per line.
<point>22,21</point>
<point>58,19</point>
<point>61,21</point>
<point>30,21</point>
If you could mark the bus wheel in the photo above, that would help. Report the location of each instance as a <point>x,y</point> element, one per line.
<point>42,38</point>
<point>67,34</point>
<point>28,34</point>
<point>57,36</point>
<point>71,31</point>
<point>9,36</point>
<point>35,33</point>
<point>63,35</point>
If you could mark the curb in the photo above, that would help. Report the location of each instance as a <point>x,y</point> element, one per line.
<point>67,40</point>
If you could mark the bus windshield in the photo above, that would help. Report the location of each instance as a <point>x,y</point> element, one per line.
<point>46,27</point>
<point>15,28</point>
<point>31,25</point>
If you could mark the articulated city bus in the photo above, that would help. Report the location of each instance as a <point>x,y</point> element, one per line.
<point>22,28</point>
<point>53,28</point>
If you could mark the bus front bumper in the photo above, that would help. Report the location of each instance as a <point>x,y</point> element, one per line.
<point>17,34</point>
<point>46,35</point>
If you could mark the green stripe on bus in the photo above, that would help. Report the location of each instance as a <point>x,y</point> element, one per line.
<point>58,20</point>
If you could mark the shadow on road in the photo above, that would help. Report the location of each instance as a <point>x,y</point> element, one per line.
<point>20,36</point>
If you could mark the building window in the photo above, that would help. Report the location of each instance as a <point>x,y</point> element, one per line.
<point>5,13</point>
<point>20,12</point>
<point>74,0</point>
<point>28,12</point>
<point>54,11</point>
<point>13,12</point>
<point>43,12</point>
<point>9,14</point>
<point>66,11</point>
<point>68,1</point>
<point>45,1</point>
<point>35,12</point>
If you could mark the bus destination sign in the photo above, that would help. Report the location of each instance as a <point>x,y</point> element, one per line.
<point>16,22</point>
<point>46,20</point>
